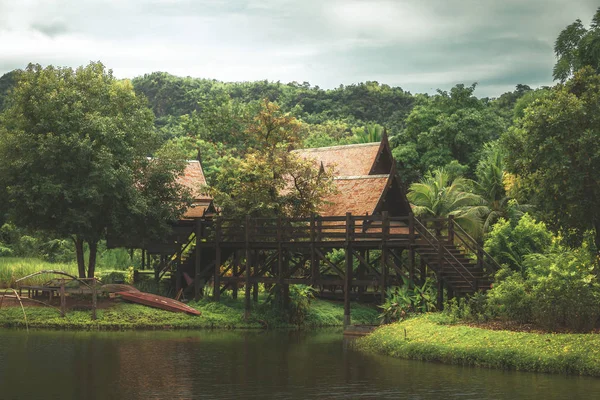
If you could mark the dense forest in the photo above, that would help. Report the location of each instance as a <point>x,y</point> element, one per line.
<point>519,171</point>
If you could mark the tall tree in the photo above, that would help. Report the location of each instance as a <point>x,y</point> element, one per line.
<point>268,179</point>
<point>576,47</point>
<point>490,186</point>
<point>555,150</point>
<point>74,147</point>
<point>450,126</point>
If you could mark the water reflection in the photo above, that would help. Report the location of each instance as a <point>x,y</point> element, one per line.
<point>228,365</point>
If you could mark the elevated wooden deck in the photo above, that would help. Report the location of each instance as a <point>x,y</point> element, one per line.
<point>288,251</point>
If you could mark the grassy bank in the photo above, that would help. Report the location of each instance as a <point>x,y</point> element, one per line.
<point>13,268</point>
<point>428,338</point>
<point>228,314</point>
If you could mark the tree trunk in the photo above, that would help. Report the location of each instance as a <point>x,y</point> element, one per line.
<point>92,259</point>
<point>80,256</point>
<point>597,236</point>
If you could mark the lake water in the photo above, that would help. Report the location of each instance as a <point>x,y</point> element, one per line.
<point>246,365</point>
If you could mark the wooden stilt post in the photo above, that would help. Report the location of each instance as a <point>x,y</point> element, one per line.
<point>411,245</point>
<point>247,304</point>
<point>348,276</point>
<point>440,273</point>
<point>236,270</point>
<point>361,274</point>
<point>198,262</point>
<point>256,267</point>
<point>313,256</point>
<point>63,300</point>
<point>178,272</point>
<point>440,293</point>
<point>94,299</point>
<point>157,268</point>
<point>281,268</point>
<point>385,227</point>
<point>217,277</point>
<point>451,229</point>
<point>318,237</point>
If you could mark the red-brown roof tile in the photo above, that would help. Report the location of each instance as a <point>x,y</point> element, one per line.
<point>348,160</point>
<point>193,179</point>
<point>358,195</point>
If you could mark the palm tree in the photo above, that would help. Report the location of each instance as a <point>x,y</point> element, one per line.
<point>437,195</point>
<point>490,187</point>
<point>370,133</point>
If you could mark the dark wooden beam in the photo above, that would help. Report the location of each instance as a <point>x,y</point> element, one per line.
<point>348,277</point>
<point>198,261</point>
<point>217,274</point>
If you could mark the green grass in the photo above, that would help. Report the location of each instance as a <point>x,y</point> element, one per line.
<point>228,314</point>
<point>13,268</point>
<point>429,338</point>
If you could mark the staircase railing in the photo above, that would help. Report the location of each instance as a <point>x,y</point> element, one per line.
<point>176,257</point>
<point>483,257</point>
<point>441,248</point>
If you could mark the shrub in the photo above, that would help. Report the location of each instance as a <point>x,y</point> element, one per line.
<point>408,299</point>
<point>112,276</point>
<point>510,242</point>
<point>565,291</point>
<point>470,308</point>
<point>298,308</point>
<point>559,290</point>
<point>511,298</point>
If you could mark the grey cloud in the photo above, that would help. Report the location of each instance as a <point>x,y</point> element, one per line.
<point>51,29</point>
<point>419,45</point>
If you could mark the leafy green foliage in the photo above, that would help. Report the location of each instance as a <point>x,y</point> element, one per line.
<point>509,242</point>
<point>450,126</point>
<point>470,308</point>
<point>560,290</point>
<point>577,47</point>
<point>73,158</point>
<point>410,298</point>
<point>270,180</point>
<point>438,195</point>
<point>298,303</point>
<point>555,151</point>
<point>491,187</point>
<point>7,82</point>
<point>511,299</point>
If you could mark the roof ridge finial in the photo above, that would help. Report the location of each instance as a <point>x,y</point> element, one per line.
<point>384,135</point>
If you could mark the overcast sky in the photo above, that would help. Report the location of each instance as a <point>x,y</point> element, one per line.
<point>418,45</point>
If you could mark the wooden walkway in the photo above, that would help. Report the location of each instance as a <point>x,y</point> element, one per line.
<point>354,256</point>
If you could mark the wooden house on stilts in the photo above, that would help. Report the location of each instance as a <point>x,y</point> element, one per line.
<point>369,218</point>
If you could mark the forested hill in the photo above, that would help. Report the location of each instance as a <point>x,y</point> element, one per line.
<point>428,131</point>
<point>365,102</point>
<point>448,129</point>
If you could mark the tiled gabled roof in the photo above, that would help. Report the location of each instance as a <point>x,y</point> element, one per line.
<point>348,160</point>
<point>193,179</point>
<point>358,195</point>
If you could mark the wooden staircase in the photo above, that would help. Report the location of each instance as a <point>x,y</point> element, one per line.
<point>447,256</point>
